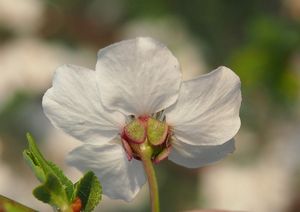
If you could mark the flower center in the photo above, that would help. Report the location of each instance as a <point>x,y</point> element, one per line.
<point>146,136</point>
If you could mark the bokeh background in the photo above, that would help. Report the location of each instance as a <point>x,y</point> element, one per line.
<point>258,39</point>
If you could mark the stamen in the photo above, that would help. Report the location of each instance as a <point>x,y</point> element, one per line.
<point>159,115</point>
<point>162,116</point>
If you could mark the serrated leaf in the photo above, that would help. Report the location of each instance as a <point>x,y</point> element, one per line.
<point>89,190</point>
<point>35,166</point>
<point>68,185</point>
<point>57,190</point>
<point>52,192</point>
<point>42,167</point>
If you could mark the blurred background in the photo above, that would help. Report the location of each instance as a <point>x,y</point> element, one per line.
<point>258,39</point>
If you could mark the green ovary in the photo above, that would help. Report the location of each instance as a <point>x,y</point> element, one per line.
<point>156,131</point>
<point>135,130</point>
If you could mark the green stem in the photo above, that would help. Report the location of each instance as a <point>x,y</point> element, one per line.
<point>152,183</point>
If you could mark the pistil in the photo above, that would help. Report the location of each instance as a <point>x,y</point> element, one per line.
<point>147,139</point>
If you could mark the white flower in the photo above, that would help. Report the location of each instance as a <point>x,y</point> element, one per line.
<point>137,87</point>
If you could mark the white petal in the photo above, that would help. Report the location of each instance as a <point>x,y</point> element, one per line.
<point>207,110</point>
<point>192,156</point>
<point>139,76</point>
<point>120,178</point>
<point>73,105</point>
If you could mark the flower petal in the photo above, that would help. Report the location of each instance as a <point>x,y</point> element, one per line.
<point>120,178</point>
<point>73,105</point>
<point>138,77</point>
<point>192,156</point>
<point>207,109</point>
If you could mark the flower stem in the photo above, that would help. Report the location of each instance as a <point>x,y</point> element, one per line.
<point>152,183</point>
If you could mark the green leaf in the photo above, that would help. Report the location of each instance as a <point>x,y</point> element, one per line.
<point>52,192</point>
<point>32,161</point>
<point>68,185</point>
<point>42,167</point>
<point>56,189</point>
<point>89,191</point>
<point>10,205</point>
